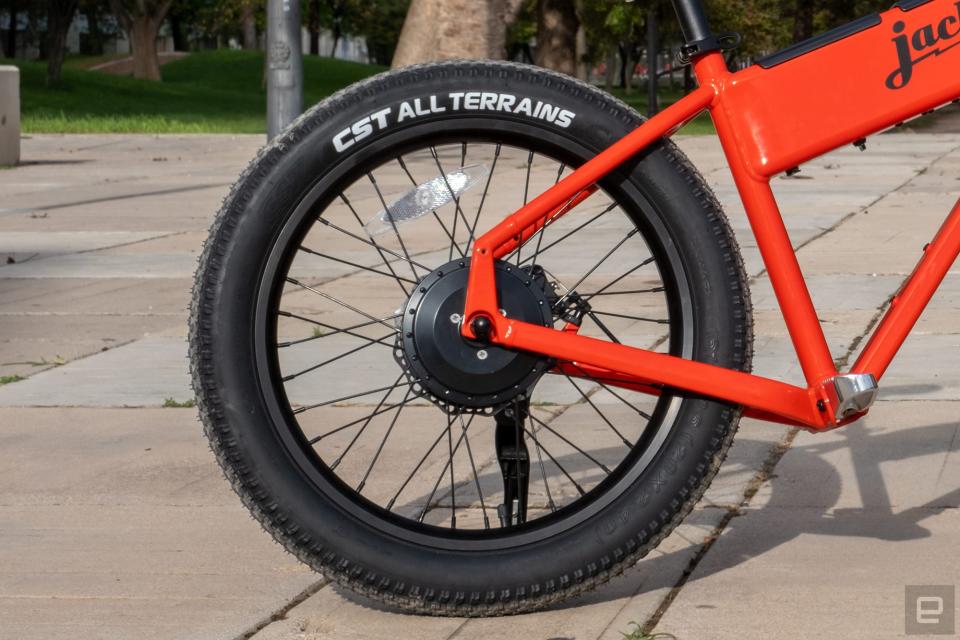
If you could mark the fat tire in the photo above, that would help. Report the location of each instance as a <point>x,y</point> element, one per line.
<point>421,579</point>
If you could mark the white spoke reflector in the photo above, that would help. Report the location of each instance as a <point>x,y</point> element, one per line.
<point>426,197</point>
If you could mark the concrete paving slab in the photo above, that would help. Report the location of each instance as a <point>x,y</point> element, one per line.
<point>924,369</point>
<point>142,373</point>
<point>33,343</point>
<point>116,523</point>
<point>850,519</point>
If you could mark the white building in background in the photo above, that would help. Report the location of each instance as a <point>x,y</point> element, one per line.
<point>348,48</point>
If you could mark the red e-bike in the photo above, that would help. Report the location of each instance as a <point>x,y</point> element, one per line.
<point>473,337</point>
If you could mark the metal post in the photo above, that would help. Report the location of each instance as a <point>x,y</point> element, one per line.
<point>653,49</point>
<point>9,116</point>
<point>284,65</point>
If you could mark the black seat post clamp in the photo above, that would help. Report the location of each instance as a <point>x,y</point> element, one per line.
<point>722,42</point>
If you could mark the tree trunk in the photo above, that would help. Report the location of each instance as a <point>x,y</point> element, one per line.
<point>10,50</point>
<point>653,77</point>
<point>336,40</point>
<point>624,63</point>
<point>143,42</point>
<point>249,23</point>
<point>447,29</point>
<point>141,20</point>
<point>583,68</point>
<point>59,16</point>
<point>629,65</point>
<point>557,26</point>
<point>313,26</point>
<point>96,35</point>
<point>803,21</point>
<point>176,30</point>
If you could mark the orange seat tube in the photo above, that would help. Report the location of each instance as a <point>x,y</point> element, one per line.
<point>771,233</point>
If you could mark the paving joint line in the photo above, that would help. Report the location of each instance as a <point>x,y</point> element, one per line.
<point>33,257</point>
<point>281,613</point>
<point>129,196</point>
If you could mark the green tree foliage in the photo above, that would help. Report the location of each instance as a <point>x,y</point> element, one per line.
<point>381,27</point>
<point>769,25</point>
<point>379,23</point>
<point>766,25</point>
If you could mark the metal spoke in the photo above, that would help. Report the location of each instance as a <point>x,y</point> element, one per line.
<point>373,243</point>
<point>518,434</point>
<point>393,224</point>
<point>597,266</point>
<point>369,418</point>
<point>333,330</point>
<point>453,490</point>
<point>546,223</point>
<point>581,451</point>
<point>483,198</point>
<point>597,409</point>
<point>458,211</point>
<point>526,195</point>
<point>543,471</point>
<point>476,477</point>
<point>603,327</point>
<point>436,216</point>
<point>339,357</point>
<point>602,289</point>
<point>354,264</point>
<point>339,302</point>
<point>623,293</point>
<point>383,442</point>
<point>567,235</point>
<point>349,397</point>
<point>616,395</point>
<point>443,472</point>
<point>559,466</point>
<point>635,318</point>
<point>403,486</point>
<point>327,434</point>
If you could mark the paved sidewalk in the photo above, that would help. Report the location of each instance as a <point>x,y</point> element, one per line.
<point>115,522</point>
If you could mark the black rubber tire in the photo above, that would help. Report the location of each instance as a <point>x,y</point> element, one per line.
<point>413,577</point>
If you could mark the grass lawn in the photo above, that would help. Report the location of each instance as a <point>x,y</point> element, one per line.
<point>206,92</point>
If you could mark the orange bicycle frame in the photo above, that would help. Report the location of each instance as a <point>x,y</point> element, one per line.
<point>786,110</point>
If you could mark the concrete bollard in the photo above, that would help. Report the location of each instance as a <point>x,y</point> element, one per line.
<point>9,116</point>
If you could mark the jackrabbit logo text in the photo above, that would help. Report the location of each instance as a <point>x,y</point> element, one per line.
<point>927,41</point>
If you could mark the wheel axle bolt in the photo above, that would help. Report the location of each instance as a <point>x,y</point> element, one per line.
<point>482,327</point>
<point>482,354</point>
<point>455,318</point>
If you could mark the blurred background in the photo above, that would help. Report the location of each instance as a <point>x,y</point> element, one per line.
<point>197,66</point>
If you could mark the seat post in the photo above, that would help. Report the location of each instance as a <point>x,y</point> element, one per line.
<point>693,20</point>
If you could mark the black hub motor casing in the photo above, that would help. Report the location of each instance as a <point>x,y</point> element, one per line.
<point>461,375</point>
